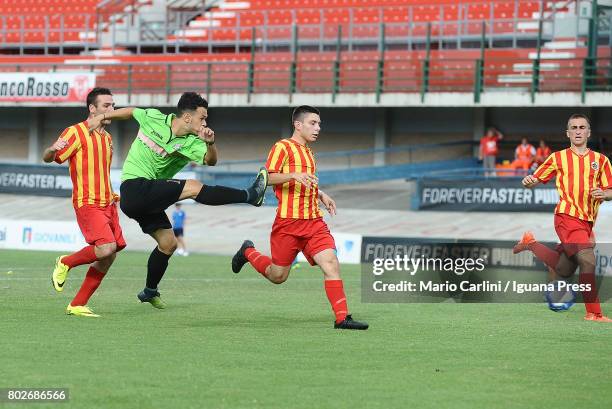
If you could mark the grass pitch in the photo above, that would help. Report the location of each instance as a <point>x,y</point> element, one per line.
<point>237,341</point>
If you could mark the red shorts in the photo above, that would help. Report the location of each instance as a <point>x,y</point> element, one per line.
<point>290,236</point>
<point>100,225</point>
<point>575,234</point>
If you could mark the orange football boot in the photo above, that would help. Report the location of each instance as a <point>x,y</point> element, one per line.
<point>524,243</point>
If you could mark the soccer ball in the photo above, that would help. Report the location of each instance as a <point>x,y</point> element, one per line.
<point>561,298</point>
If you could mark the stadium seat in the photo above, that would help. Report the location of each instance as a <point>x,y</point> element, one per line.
<point>55,21</point>
<point>278,15</point>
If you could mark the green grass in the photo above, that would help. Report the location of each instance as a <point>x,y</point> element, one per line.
<point>230,341</point>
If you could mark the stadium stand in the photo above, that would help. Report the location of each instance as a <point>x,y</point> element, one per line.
<point>383,66</point>
<point>231,20</point>
<point>356,71</point>
<point>55,21</point>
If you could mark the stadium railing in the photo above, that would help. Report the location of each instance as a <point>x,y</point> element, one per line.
<point>341,73</point>
<point>472,173</point>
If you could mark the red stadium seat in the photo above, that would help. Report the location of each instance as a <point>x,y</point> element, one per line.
<point>31,21</point>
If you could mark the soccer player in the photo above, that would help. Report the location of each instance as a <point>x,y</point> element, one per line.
<point>299,224</point>
<point>89,151</point>
<point>163,146</point>
<point>178,226</point>
<point>584,180</point>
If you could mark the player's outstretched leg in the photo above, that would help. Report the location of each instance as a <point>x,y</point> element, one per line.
<point>222,195</point>
<point>524,242</point>
<point>257,191</point>
<point>544,254</point>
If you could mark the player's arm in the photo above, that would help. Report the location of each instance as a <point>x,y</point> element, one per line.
<point>328,202</point>
<point>51,151</point>
<point>122,113</point>
<point>66,146</point>
<point>601,194</point>
<point>605,180</point>
<point>530,181</point>
<point>211,155</point>
<point>543,173</point>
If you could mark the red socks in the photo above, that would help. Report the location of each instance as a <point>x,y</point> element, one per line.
<point>333,288</point>
<point>591,301</point>
<point>258,260</point>
<point>90,285</point>
<point>335,294</point>
<point>86,255</point>
<point>544,254</point>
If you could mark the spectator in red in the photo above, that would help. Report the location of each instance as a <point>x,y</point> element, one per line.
<point>524,155</point>
<point>489,149</point>
<point>542,153</point>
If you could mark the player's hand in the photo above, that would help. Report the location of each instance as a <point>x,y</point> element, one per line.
<point>95,122</point>
<point>530,181</point>
<point>328,202</point>
<point>206,134</point>
<point>59,145</point>
<point>306,179</point>
<point>599,194</point>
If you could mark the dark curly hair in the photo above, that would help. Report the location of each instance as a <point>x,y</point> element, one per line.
<point>190,101</point>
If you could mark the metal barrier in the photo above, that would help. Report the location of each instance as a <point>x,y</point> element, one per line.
<point>340,74</point>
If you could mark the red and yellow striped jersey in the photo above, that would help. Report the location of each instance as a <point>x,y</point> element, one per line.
<point>295,201</point>
<point>89,156</point>
<point>576,176</point>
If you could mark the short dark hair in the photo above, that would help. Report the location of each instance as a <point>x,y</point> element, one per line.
<point>300,112</point>
<point>578,116</point>
<point>190,101</point>
<point>93,94</point>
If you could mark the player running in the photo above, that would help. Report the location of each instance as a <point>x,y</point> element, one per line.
<point>299,224</point>
<point>584,180</point>
<point>164,145</point>
<point>88,149</point>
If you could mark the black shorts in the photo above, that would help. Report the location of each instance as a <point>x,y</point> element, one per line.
<point>146,200</point>
<point>178,232</point>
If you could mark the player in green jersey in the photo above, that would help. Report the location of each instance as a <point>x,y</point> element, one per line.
<point>163,146</point>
